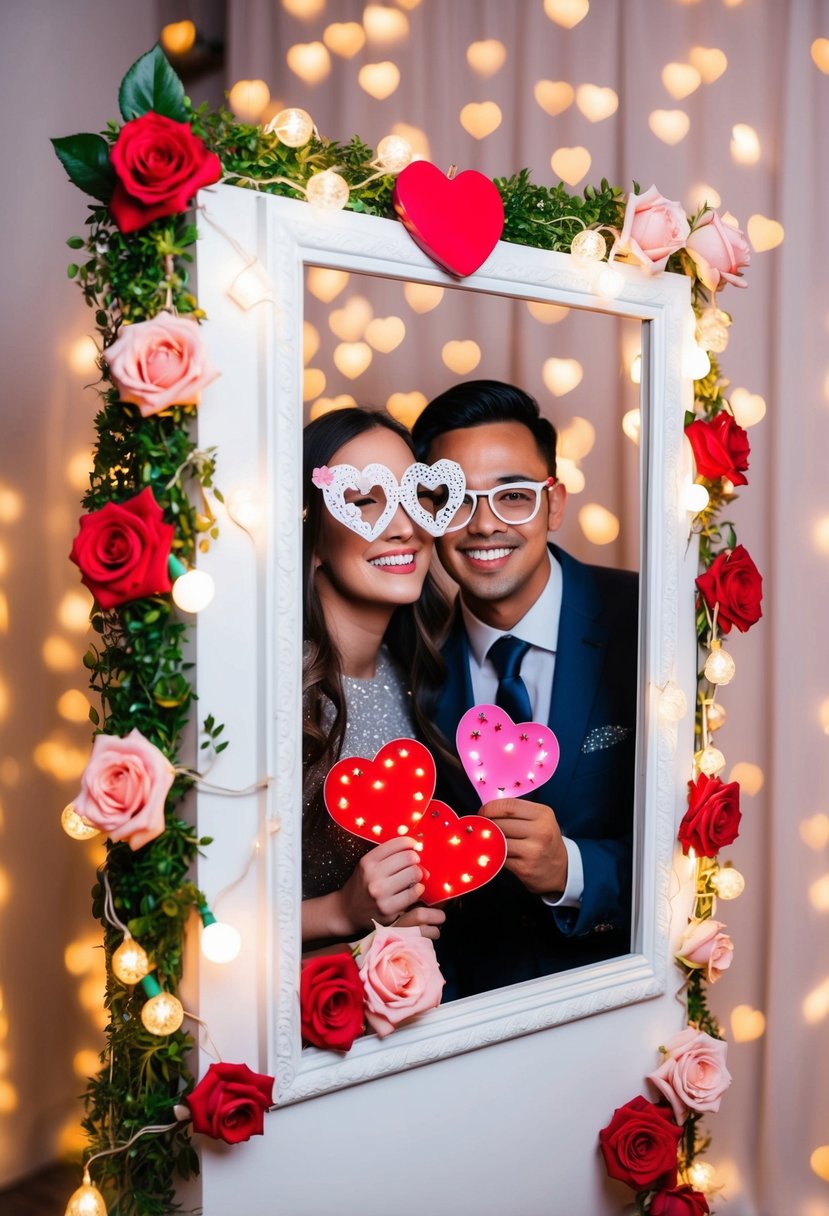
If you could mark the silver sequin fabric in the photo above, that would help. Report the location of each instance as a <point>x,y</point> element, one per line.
<point>602,737</point>
<point>377,710</point>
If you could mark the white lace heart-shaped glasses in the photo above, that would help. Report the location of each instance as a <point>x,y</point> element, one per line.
<point>365,500</point>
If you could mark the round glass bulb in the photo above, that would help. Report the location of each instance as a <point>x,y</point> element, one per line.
<point>245,509</point>
<point>609,283</point>
<point>702,1176</point>
<point>74,826</point>
<point>193,590</point>
<point>87,1200</point>
<point>715,716</point>
<point>712,330</point>
<point>162,1014</point>
<point>719,666</point>
<point>220,942</point>
<point>696,498</point>
<point>728,883</point>
<point>394,153</point>
<point>293,126</point>
<point>588,246</point>
<point>673,704</point>
<point>129,962</point>
<point>327,191</point>
<point>695,363</point>
<point>711,761</point>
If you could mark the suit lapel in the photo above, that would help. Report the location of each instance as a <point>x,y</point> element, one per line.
<point>456,696</point>
<point>580,656</point>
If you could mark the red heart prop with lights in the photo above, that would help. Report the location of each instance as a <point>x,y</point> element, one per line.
<point>460,854</point>
<point>457,221</point>
<point>385,797</point>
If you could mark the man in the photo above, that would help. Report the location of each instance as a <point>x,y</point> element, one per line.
<point>550,640</point>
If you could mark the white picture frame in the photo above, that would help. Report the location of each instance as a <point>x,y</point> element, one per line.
<point>248,642</point>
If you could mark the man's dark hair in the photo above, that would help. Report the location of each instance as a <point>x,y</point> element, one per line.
<point>478,402</point>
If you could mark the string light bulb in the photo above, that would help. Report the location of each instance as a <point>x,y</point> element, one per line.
<point>695,362</point>
<point>609,283</point>
<point>293,127</point>
<point>728,882</point>
<point>702,1176</point>
<point>220,942</point>
<point>711,761</point>
<point>87,1200</point>
<point>394,153</point>
<point>588,245</point>
<point>673,704</point>
<point>163,1013</point>
<point>130,962</point>
<point>76,827</point>
<point>327,191</point>
<point>695,498</point>
<point>712,330</point>
<point>715,715</point>
<point>719,666</point>
<point>192,589</point>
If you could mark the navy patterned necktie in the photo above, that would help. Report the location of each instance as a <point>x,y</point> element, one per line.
<point>512,696</point>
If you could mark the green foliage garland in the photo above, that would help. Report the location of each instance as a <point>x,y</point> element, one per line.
<point>138,662</point>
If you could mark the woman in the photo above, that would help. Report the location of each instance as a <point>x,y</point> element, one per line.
<point>370,611</point>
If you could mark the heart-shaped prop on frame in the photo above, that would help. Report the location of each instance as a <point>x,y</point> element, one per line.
<point>502,758</point>
<point>390,796</point>
<point>456,221</point>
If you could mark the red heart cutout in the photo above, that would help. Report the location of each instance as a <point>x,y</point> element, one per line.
<point>385,797</point>
<point>456,221</point>
<point>460,855</point>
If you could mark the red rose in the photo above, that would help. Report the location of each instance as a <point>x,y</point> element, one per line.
<point>159,164</point>
<point>721,448</point>
<point>712,820</point>
<point>331,1001</point>
<point>683,1201</point>
<point>123,549</point>
<point>639,1145</point>
<point>734,582</point>
<point>230,1101</point>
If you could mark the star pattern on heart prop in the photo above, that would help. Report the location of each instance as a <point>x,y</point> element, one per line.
<point>502,758</point>
<point>391,796</point>
<point>456,221</point>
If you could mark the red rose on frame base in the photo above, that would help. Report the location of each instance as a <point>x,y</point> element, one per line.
<point>639,1145</point>
<point>123,549</point>
<point>735,584</point>
<point>712,820</point>
<point>331,1001</point>
<point>160,165</point>
<point>230,1101</point>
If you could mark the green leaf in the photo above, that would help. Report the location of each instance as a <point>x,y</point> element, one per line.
<point>151,84</point>
<point>76,242</point>
<point>86,161</point>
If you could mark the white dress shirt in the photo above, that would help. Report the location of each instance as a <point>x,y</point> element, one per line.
<point>539,627</point>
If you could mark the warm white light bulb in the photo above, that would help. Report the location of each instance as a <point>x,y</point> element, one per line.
<point>609,283</point>
<point>245,509</point>
<point>702,1176</point>
<point>87,1200</point>
<point>728,882</point>
<point>293,126</point>
<point>220,942</point>
<point>636,370</point>
<point>712,330</point>
<point>711,761</point>
<point>719,666</point>
<point>129,962</point>
<point>695,362</point>
<point>162,1014</point>
<point>194,590</point>
<point>394,153</point>
<point>695,498</point>
<point>715,716</point>
<point>327,191</point>
<point>632,424</point>
<point>673,704</point>
<point>74,826</point>
<point>252,285</point>
<point>588,246</point>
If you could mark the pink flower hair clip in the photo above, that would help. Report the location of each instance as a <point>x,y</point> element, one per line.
<point>322,477</point>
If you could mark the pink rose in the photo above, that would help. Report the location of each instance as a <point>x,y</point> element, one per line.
<point>401,977</point>
<point>693,1075</point>
<point>719,251</point>
<point>653,229</point>
<point>705,947</point>
<point>124,787</point>
<point>159,363</point>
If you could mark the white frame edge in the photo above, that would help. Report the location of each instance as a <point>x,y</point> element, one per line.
<point>254,416</point>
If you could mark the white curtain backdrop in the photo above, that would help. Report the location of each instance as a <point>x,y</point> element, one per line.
<point>60,68</point>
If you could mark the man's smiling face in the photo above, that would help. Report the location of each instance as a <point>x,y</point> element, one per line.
<point>501,568</point>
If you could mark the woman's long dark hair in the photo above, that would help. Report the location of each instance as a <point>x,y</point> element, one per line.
<point>414,630</point>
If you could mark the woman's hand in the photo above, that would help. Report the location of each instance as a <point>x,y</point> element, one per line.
<point>428,919</point>
<point>385,882</point>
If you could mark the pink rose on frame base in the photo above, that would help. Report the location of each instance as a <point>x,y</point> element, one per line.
<point>693,1075</point>
<point>719,251</point>
<point>654,227</point>
<point>401,977</point>
<point>124,787</point>
<point>705,947</point>
<point>160,363</point>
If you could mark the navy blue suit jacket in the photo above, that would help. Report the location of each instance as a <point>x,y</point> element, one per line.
<point>503,934</point>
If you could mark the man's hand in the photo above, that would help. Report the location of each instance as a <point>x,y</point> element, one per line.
<point>535,850</point>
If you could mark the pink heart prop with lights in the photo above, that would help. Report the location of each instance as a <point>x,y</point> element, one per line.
<point>459,855</point>
<point>504,759</point>
<point>385,797</point>
<point>456,221</point>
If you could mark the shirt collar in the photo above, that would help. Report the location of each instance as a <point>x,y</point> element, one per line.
<point>538,626</point>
